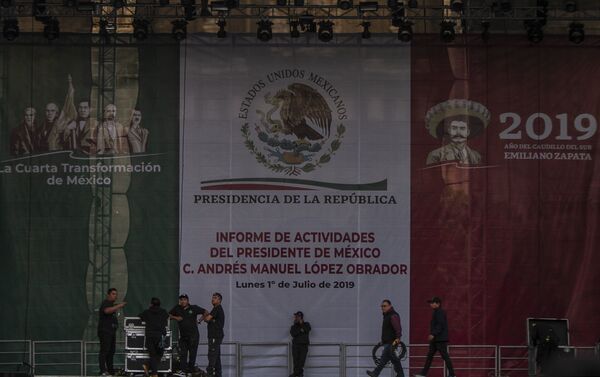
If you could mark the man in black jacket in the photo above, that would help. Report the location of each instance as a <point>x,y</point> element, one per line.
<point>299,332</point>
<point>107,331</point>
<point>156,319</point>
<point>216,322</point>
<point>391,332</point>
<point>186,316</point>
<point>438,337</point>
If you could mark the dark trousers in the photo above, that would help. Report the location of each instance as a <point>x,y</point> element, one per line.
<point>434,347</point>
<point>188,348</point>
<point>107,351</point>
<point>299,352</point>
<point>155,352</point>
<point>214,357</point>
<point>388,356</point>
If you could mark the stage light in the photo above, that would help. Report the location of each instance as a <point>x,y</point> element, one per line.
<point>485,31</point>
<point>294,32</point>
<point>10,30</point>
<point>576,32</point>
<point>405,32</point>
<point>570,6</point>
<point>366,33</point>
<point>307,23</point>
<point>368,6</point>
<point>7,3</point>
<point>40,11</point>
<point>221,33</point>
<point>535,33</point>
<point>456,5</point>
<point>325,33</point>
<point>179,30</point>
<point>447,32</point>
<point>219,6</point>
<point>140,29</point>
<point>344,4</point>
<point>264,32</point>
<point>51,29</point>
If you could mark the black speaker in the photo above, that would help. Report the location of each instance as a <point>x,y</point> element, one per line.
<point>540,329</point>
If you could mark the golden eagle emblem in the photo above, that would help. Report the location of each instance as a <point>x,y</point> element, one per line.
<point>295,130</point>
<point>297,104</point>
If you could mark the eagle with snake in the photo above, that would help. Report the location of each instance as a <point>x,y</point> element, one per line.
<point>297,104</point>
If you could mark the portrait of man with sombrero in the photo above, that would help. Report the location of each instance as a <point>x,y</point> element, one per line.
<point>454,122</point>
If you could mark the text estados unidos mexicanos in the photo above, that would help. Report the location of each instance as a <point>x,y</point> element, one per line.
<point>297,269</point>
<point>353,198</point>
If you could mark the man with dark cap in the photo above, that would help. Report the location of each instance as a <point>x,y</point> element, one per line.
<point>216,322</point>
<point>186,316</point>
<point>156,319</point>
<point>438,337</point>
<point>300,342</point>
<point>391,332</point>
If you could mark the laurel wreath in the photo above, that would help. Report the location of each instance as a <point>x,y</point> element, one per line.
<point>294,170</point>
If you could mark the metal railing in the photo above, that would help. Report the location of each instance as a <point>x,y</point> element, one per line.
<point>79,358</point>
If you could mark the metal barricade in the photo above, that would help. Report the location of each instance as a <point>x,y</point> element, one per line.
<point>323,359</point>
<point>15,356</point>
<point>78,358</point>
<point>358,359</point>
<point>253,358</point>
<point>513,361</point>
<point>473,360</point>
<point>59,357</point>
<point>91,351</point>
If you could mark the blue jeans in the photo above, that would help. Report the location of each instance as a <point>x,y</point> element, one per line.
<point>387,356</point>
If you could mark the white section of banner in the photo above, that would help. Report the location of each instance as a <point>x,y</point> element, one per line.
<point>296,190</point>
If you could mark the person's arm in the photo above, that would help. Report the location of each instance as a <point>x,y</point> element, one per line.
<point>437,323</point>
<point>397,327</point>
<point>173,315</point>
<point>199,311</point>
<point>114,308</point>
<point>306,327</point>
<point>294,330</point>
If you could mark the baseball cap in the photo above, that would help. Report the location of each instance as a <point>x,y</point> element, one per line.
<point>435,299</point>
<point>299,314</point>
<point>184,296</point>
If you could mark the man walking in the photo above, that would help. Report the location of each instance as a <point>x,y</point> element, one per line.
<point>300,341</point>
<point>438,337</point>
<point>186,316</point>
<point>156,319</point>
<point>216,322</point>
<point>391,332</point>
<point>107,331</point>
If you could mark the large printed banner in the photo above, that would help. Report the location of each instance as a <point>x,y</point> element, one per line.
<point>505,187</point>
<point>296,187</point>
<point>88,183</point>
<point>314,177</point>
